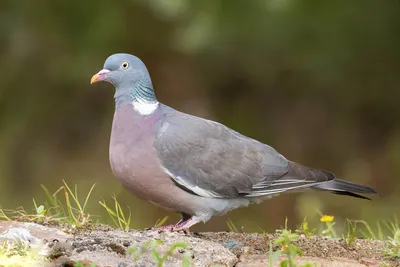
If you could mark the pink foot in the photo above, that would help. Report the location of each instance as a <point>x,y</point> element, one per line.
<point>162,227</point>
<point>184,226</point>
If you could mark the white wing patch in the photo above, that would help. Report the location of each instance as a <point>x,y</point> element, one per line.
<point>278,190</point>
<point>194,188</point>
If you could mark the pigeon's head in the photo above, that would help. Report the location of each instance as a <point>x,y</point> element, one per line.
<point>123,71</point>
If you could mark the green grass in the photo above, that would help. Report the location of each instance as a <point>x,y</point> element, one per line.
<point>382,226</point>
<point>351,236</point>
<point>76,211</point>
<point>394,245</point>
<point>20,254</point>
<point>152,246</point>
<point>84,264</point>
<point>72,210</point>
<point>305,229</point>
<point>161,222</point>
<point>121,219</point>
<point>231,226</point>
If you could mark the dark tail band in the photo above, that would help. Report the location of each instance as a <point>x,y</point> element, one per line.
<point>342,187</point>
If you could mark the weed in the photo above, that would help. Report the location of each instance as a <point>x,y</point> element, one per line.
<point>3,216</point>
<point>72,212</point>
<point>329,231</point>
<point>117,215</point>
<point>75,210</point>
<point>351,236</point>
<point>18,253</point>
<point>231,226</point>
<point>161,222</point>
<point>305,230</point>
<point>390,226</point>
<point>39,216</point>
<point>273,255</point>
<point>285,241</point>
<point>84,264</point>
<point>135,252</point>
<point>159,258</point>
<point>394,245</point>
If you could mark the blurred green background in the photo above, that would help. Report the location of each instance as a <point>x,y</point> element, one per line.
<point>317,80</point>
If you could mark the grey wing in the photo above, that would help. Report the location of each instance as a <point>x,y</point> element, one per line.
<point>297,178</point>
<point>211,160</point>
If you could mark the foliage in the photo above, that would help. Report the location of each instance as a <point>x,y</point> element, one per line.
<point>329,230</point>
<point>152,246</point>
<point>161,222</point>
<point>117,215</point>
<point>19,254</point>
<point>84,264</point>
<point>72,211</point>
<point>394,245</point>
<point>285,241</point>
<point>304,229</point>
<point>231,226</point>
<point>351,235</point>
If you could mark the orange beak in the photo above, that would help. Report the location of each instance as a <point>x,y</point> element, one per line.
<point>100,76</point>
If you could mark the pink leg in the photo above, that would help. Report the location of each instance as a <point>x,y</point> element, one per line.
<point>167,227</point>
<point>162,227</point>
<point>184,226</point>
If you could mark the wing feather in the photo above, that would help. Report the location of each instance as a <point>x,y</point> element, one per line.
<point>209,159</point>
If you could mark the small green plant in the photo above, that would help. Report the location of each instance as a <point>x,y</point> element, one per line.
<point>231,226</point>
<point>72,211</point>
<point>38,216</point>
<point>9,249</point>
<point>76,211</point>
<point>161,222</point>
<point>285,241</point>
<point>18,253</point>
<point>3,216</point>
<point>117,214</point>
<point>84,264</point>
<point>351,235</point>
<point>135,252</point>
<point>159,258</point>
<point>40,212</point>
<point>382,227</point>
<point>305,230</point>
<point>329,231</point>
<point>394,245</point>
<point>273,255</point>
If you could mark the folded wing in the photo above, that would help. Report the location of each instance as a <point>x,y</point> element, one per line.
<point>210,160</point>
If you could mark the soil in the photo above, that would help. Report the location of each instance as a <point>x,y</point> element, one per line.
<point>106,246</point>
<point>248,249</point>
<point>364,252</point>
<point>314,246</point>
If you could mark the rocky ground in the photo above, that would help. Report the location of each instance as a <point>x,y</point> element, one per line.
<point>106,246</point>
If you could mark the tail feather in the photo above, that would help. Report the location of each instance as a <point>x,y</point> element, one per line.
<point>342,187</point>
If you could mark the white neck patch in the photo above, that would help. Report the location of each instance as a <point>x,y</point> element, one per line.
<point>144,107</point>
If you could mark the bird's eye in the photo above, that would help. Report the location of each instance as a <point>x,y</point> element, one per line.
<point>125,65</point>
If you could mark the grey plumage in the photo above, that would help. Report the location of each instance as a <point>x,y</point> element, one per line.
<point>194,166</point>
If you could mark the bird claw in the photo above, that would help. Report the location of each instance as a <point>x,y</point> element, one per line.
<point>179,229</point>
<point>184,226</point>
<point>180,226</point>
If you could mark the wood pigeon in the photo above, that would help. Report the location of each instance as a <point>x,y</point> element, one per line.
<point>197,167</point>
